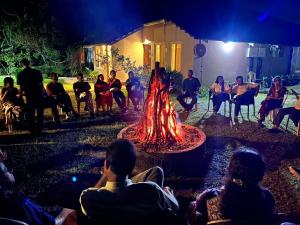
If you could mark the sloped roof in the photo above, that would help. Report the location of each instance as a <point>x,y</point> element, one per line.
<point>262,21</point>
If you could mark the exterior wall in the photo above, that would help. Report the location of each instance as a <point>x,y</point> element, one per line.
<point>166,34</point>
<point>217,61</point>
<point>132,47</point>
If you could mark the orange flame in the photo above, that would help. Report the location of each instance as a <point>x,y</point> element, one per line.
<point>158,125</point>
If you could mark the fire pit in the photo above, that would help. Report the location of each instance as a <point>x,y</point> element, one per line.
<point>159,130</point>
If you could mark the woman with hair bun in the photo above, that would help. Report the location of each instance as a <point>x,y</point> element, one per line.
<point>241,198</point>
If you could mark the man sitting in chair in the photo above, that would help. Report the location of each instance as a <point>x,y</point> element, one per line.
<point>294,113</point>
<point>116,199</point>
<point>242,92</point>
<point>191,86</point>
<point>134,89</point>
<point>57,91</point>
<point>82,93</point>
<point>115,87</point>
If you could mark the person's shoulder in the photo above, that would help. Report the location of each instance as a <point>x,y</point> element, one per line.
<point>3,90</point>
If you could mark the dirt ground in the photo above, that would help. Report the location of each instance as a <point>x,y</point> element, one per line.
<point>54,167</point>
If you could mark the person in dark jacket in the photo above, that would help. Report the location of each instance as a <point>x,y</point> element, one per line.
<point>191,86</point>
<point>115,87</point>
<point>31,85</point>
<point>83,94</point>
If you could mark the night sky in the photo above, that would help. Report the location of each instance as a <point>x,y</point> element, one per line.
<point>273,21</point>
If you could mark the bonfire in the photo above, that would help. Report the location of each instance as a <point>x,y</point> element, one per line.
<point>158,123</point>
<point>159,130</point>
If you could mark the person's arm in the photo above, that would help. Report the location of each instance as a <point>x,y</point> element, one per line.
<point>88,86</point>
<point>198,85</point>
<point>295,93</point>
<point>101,182</point>
<point>212,88</point>
<point>184,86</point>
<point>3,94</point>
<point>49,92</point>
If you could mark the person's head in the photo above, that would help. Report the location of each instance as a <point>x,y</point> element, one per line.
<point>80,77</point>
<point>8,82</point>
<point>239,80</point>
<point>220,80</point>
<point>130,75</point>
<point>246,166</point>
<point>100,78</point>
<point>25,62</point>
<point>242,196</point>
<point>112,74</point>
<point>120,159</point>
<point>190,73</point>
<point>277,82</point>
<point>54,77</point>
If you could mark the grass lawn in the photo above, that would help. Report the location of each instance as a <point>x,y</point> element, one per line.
<point>45,165</point>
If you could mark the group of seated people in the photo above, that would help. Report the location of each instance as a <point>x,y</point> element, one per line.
<point>53,95</point>
<point>241,93</point>
<point>121,198</point>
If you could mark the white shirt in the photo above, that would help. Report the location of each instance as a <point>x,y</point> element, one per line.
<point>218,89</point>
<point>241,89</point>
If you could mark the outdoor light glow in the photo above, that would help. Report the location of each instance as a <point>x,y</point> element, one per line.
<point>74,179</point>
<point>227,46</point>
<point>146,42</point>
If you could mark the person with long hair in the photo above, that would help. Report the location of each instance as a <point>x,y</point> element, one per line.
<point>273,100</point>
<point>220,91</point>
<point>241,199</point>
<point>103,95</point>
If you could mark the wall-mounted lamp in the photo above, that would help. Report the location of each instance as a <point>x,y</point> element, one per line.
<point>146,42</point>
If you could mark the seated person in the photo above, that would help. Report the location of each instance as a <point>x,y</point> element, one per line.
<point>241,91</point>
<point>83,94</point>
<point>10,99</point>
<point>50,102</point>
<point>220,92</point>
<point>121,200</point>
<point>14,205</point>
<point>134,89</point>
<point>57,91</point>
<point>241,198</point>
<point>103,95</point>
<point>294,112</point>
<point>273,100</point>
<point>115,87</point>
<point>191,86</point>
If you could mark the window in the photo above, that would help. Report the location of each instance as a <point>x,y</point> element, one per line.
<point>176,56</point>
<point>157,52</point>
<point>97,56</point>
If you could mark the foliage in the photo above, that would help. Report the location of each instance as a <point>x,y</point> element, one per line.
<point>176,79</point>
<point>120,62</point>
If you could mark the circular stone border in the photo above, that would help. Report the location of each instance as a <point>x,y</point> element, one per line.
<point>193,138</point>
